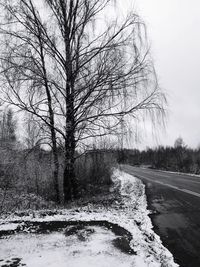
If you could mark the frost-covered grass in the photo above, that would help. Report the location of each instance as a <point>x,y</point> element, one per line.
<point>13,200</point>
<point>129,211</point>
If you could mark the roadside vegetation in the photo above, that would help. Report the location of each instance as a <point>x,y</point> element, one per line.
<point>179,158</point>
<point>26,169</point>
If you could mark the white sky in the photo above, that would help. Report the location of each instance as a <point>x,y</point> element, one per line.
<point>174,32</point>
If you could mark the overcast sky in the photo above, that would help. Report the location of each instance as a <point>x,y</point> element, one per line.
<point>174,33</point>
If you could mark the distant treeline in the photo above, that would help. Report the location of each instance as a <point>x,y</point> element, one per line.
<point>179,158</point>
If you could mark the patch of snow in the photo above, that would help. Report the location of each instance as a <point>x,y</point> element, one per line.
<point>130,213</point>
<point>56,249</point>
<point>8,226</point>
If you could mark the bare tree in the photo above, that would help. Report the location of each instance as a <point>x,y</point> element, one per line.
<point>80,75</point>
<point>32,132</point>
<point>8,125</point>
<point>179,143</point>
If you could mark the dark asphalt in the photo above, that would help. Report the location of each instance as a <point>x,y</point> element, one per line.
<point>175,202</point>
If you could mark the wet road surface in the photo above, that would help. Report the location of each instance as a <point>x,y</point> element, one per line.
<point>175,202</point>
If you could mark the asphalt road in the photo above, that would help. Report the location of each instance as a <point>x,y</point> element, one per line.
<point>175,202</point>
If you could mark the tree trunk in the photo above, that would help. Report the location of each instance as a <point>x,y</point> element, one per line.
<point>69,179</point>
<point>56,169</point>
<point>51,120</point>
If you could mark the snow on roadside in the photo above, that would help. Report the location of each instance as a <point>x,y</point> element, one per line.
<point>130,213</point>
<point>174,172</point>
<point>147,242</point>
<point>8,227</point>
<point>182,173</point>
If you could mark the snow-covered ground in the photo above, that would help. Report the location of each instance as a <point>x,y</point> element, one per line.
<point>97,249</point>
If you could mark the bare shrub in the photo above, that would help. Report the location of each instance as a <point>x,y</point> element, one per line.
<point>94,171</point>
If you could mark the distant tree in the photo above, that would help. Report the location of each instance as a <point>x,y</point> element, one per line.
<point>8,141</point>
<point>179,142</point>
<point>8,126</point>
<point>179,146</point>
<point>32,132</point>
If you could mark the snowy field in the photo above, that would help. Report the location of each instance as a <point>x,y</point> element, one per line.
<point>91,245</point>
<point>55,249</point>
